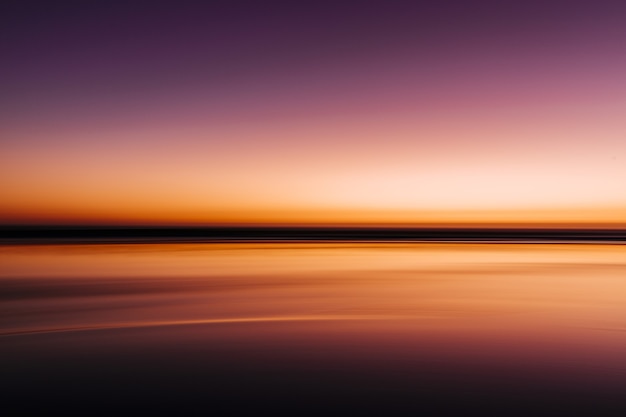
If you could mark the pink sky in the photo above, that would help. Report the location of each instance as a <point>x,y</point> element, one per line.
<point>517,126</point>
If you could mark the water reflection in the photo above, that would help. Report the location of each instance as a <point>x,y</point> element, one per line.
<point>99,285</point>
<point>410,316</point>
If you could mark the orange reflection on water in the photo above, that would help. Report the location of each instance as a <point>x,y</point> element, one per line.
<point>519,286</point>
<point>400,322</point>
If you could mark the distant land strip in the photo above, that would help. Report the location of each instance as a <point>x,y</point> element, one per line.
<point>118,234</point>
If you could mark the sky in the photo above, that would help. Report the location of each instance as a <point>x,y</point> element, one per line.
<point>411,113</point>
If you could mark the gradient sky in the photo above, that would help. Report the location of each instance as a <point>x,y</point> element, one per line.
<point>405,113</point>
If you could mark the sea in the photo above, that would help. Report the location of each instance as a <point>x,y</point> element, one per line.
<point>313,328</point>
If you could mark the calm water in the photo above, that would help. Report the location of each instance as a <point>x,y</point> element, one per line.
<point>314,328</point>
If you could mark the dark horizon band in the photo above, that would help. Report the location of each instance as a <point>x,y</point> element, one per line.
<point>27,234</point>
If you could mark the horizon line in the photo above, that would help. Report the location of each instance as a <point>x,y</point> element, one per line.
<point>295,233</point>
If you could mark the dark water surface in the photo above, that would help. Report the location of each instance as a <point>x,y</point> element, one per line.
<point>313,328</point>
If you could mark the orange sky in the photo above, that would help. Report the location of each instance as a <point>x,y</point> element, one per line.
<point>526,127</point>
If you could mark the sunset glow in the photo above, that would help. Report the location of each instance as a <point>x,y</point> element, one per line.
<point>407,115</point>
<point>341,208</point>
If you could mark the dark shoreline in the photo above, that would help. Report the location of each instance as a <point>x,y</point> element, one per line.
<point>117,234</point>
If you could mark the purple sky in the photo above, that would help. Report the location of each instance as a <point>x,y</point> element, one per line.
<point>389,112</point>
